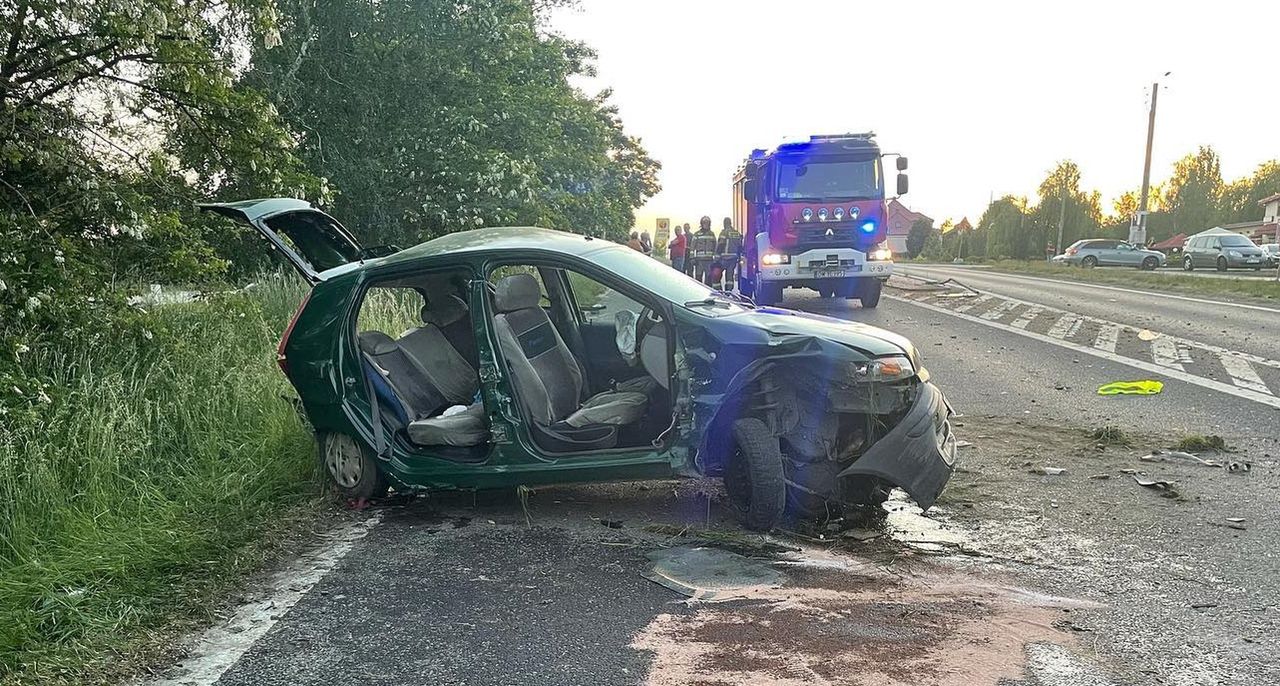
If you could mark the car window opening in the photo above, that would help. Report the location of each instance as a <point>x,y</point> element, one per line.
<point>418,344</point>
<point>588,365</point>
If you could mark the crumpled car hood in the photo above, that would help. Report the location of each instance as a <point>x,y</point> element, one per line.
<point>872,340</point>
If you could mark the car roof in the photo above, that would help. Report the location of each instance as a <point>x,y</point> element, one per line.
<point>504,239</point>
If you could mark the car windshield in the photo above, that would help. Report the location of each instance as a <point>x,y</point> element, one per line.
<point>662,280</point>
<point>822,180</point>
<point>1236,242</point>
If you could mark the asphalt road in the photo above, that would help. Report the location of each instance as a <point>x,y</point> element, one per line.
<point>1016,577</point>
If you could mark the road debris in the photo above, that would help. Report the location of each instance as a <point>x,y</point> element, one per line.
<point>1166,489</point>
<point>1049,471</point>
<point>1236,467</point>
<point>1178,457</point>
<point>710,574</point>
<point>1147,335</point>
<point>963,444</point>
<point>1141,387</point>
<point>1229,524</point>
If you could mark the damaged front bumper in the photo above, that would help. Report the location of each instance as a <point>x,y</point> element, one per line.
<point>919,454</point>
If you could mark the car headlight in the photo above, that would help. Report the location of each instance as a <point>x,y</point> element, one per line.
<point>881,254</point>
<point>1234,253</point>
<point>893,368</point>
<point>773,258</point>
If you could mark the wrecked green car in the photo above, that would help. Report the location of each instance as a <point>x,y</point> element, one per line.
<point>524,356</point>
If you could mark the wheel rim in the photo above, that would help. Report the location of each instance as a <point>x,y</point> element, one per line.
<point>344,460</point>
<point>1089,262</point>
<point>1186,264</point>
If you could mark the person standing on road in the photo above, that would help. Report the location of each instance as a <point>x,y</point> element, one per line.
<point>688,250</point>
<point>728,248</point>
<point>677,248</point>
<point>634,243</point>
<point>703,247</point>
<point>1049,251</point>
<point>646,243</point>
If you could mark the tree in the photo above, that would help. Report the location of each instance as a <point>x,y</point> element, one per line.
<point>1194,192</point>
<point>1240,198</point>
<point>921,230</point>
<point>1083,213</point>
<point>1004,225</point>
<point>432,116</point>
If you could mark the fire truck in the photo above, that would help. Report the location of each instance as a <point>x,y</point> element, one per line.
<point>812,215</point>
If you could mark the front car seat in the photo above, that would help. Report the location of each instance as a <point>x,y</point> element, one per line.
<point>547,378</point>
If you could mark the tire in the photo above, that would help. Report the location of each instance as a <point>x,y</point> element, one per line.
<point>753,476</point>
<point>1089,262</point>
<point>1149,264</point>
<point>1222,264</point>
<point>869,294</point>
<point>350,468</point>
<point>1188,264</point>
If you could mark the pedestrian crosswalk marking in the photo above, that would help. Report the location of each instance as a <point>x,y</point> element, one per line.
<point>1066,325</point>
<point>1027,317</point>
<point>1242,373</point>
<point>1164,352</point>
<point>1108,335</point>
<point>1000,310</point>
<point>972,303</point>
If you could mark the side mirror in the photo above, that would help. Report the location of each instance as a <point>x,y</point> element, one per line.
<point>902,163</point>
<point>902,183</point>
<point>749,189</point>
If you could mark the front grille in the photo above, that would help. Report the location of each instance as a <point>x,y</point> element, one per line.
<point>825,235</point>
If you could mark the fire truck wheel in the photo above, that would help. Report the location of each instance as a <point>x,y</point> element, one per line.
<point>869,294</point>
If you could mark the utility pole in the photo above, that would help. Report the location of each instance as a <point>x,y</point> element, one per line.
<point>1062,219</point>
<point>1138,228</point>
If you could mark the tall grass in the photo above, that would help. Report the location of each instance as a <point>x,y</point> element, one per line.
<point>167,448</point>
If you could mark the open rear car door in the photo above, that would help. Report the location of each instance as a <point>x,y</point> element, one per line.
<point>312,241</point>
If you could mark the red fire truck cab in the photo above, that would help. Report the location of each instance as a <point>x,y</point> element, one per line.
<point>812,215</point>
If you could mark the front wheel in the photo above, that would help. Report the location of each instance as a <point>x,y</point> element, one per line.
<point>869,294</point>
<point>1089,262</point>
<point>754,477</point>
<point>1149,264</point>
<point>350,467</point>
<point>1187,264</point>
<point>1222,264</point>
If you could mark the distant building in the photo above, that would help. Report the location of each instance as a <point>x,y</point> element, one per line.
<point>900,220</point>
<point>964,225</point>
<point>1264,230</point>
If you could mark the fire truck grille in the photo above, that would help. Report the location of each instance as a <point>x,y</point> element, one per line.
<point>818,236</point>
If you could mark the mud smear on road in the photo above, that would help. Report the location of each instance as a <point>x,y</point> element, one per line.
<point>865,624</point>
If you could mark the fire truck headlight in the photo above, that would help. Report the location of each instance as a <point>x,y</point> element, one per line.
<point>853,212</point>
<point>881,254</point>
<point>822,214</point>
<point>771,259</point>
<point>839,213</point>
<point>869,227</point>
<point>806,214</point>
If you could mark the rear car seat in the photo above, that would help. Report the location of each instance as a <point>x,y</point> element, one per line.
<point>413,392</point>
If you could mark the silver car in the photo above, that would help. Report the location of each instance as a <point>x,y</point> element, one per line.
<point>1106,252</point>
<point>1221,250</point>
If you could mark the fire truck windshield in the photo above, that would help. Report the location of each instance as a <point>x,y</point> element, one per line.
<point>823,180</point>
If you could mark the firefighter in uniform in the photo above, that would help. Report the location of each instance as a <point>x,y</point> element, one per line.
<point>703,249</point>
<point>729,247</point>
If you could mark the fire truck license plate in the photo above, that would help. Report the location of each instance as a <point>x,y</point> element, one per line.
<point>828,273</point>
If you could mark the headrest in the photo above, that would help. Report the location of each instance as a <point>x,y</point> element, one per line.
<point>443,310</point>
<point>376,342</point>
<point>517,292</point>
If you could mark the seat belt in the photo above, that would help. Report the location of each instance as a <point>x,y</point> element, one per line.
<point>380,446</point>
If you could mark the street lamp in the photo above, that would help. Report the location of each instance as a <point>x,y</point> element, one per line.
<point>1138,227</point>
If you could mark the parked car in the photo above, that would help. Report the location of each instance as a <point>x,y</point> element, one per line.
<point>1222,250</point>
<point>1105,252</point>
<point>541,357</point>
<point>1271,254</point>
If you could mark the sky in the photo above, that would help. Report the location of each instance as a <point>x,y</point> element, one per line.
<point>983,97</point>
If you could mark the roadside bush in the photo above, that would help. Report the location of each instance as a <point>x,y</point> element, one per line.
<point>167,446</point>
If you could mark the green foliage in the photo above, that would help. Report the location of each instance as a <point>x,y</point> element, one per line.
<point>1194,191</point>
<point>1083,215</point>
<point>933,250</point>
<point>167,447</point>
<point>921,230</point>
<point>1004,226</point>
<point>1239,199</point>
<point>433,116</point>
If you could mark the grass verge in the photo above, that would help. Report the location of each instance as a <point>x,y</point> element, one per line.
<point>163,455</point>
<point>1265,289</point>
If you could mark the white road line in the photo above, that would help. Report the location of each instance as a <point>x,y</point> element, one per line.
<point>1066,325</point>
<point>1027,317</point>
<point>219,648</point>
<point>1164,351</point>
<point>1242,373</point>
<point>1000,310</point>
<point>973,302</point>
<point>1108,335</point>
<point>1167,372</point>
<point>1156,294</point>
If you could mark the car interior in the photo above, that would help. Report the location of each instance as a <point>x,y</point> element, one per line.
<point>589,366</point>
<point>426,379</point>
